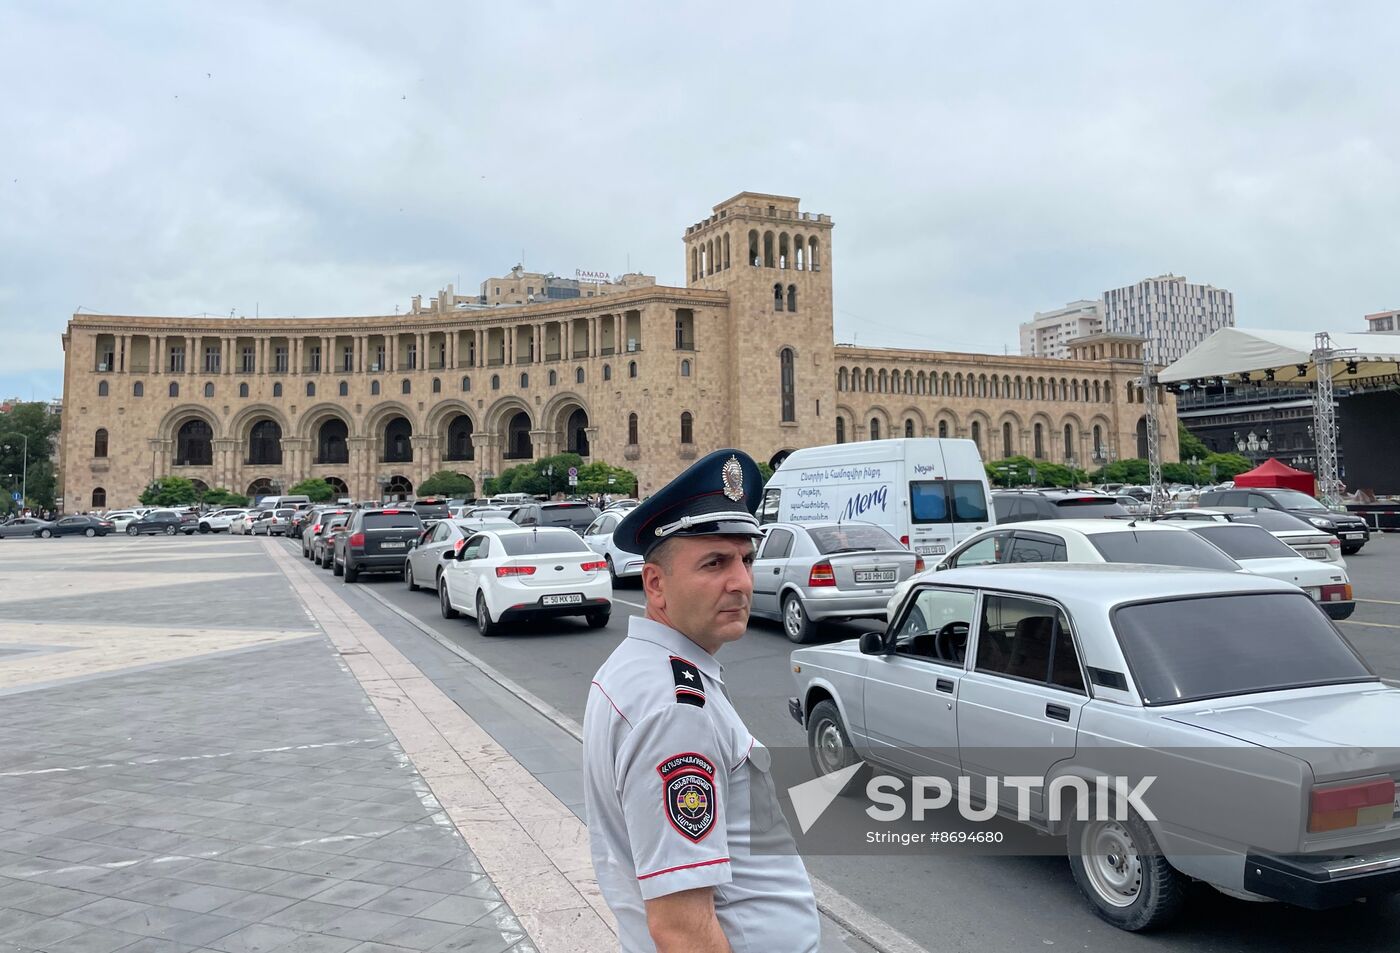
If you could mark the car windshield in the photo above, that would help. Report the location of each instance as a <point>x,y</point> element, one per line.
<point>1293,500</point>
<point>1186,649</point>
<point>851,538</point>
<point>1161,548</point>
<point>1244,542</point>
<point>1089,506</point>
<point>541,542</point>
<point>285,514</point>
<point>393,519</point>
<point>942,501</point>
<point>1275,521</point>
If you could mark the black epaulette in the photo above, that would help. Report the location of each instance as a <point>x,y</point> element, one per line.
<point>690,688</point>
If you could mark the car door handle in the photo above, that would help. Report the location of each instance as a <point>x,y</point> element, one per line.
<point>945,685</point>
<point>1057,712</point>
<point>776,571</point>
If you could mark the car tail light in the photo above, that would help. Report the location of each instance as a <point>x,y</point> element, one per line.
<point>503,572</point>
<point>1341,592</point>
<point>904,541</point>
<point>1334,541</point>
<point>1352,805</point>
<point>357,539</point>
<point>315,529</point>
<point>598,566</point>
<point>393,512</point>
<point>918,564</point>
<point>821,575</point>
<point>457,546</point>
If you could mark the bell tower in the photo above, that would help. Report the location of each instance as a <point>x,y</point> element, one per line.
<point>774,260</point>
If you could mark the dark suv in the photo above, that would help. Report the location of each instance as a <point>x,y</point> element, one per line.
<point>1351,530</point>
<point>163,521</point>
<point>375,541</point>
<point>1019,506</point>
<point>575,516</point>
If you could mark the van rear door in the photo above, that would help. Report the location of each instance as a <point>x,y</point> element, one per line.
<point>948,494</point>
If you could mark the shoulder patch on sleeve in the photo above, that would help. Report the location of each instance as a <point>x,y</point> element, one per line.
<point>690,687</point>
<point>688,787</point>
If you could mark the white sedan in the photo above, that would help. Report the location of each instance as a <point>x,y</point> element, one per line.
<point>510,575</point>
<point>599,538</point>
<point>219,521</point>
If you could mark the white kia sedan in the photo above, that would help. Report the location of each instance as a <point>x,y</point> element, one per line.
<point>502,576</point>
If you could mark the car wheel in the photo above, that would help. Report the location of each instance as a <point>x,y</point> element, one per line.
<point>336,569</point>
<point>796,626</point>
<point>89,532</point>
<point>408,576</point>
<point>445,604</point>
<point>612,572</point>
<point>484,624</point>
<point>204,528</point>
<point>598,618</point>
<point>1350,550</point>
<point>830,746</point>
<point>45,534</point>
<point>1120,869</point>
<point>131,531</point>
<point>351,574</point>
<point>170,531</point>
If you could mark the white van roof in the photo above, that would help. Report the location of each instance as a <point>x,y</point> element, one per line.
<point>863,451</point>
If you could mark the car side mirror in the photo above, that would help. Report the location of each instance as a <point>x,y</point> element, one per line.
<point>941,565</point>
<point>448,554</point>
<point>872,643</point>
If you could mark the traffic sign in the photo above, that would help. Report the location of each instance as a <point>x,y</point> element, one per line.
<point>573,473</point>
<point>15,496</point>
<point>612,479</point>
<point>573,481</point>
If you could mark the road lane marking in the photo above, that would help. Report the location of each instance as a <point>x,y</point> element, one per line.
<point>1381,602</point>
<point>637,605</point>
<point>1383,625</point>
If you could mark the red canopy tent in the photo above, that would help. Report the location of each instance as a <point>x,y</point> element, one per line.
<point>1273,473</point>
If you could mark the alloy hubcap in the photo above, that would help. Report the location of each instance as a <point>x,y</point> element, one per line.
<point>794,616</point>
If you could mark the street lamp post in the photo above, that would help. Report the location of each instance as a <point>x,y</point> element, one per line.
<point>24,468</point>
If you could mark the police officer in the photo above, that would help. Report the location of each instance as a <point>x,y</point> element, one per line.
<point>685,832</point>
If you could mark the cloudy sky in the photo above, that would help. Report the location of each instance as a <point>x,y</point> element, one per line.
<point>981,161</point>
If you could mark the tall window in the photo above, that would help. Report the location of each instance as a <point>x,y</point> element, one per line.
<point>344,389</point>
<point>792,297</point>
<point>212,354</point>
<point>787,383</point>
<point>1069,441</point>
<point>685,368</point>
<point>248,359</point>
<point>687,428</point>
<point>407,386</point>
<point>466,383</point>
<point>173,390</point>
<point>315,361</point>
<point>1039,442</point>
<point>277,389</point>
<point>243,390</point>
<point>99,498</point>
<point>909,427</point>
<point>374,388</point>
<point>437,385</point>
<point>977,435</point>
<point>138,389</point>
<point>874,428</point>
<point>1006,440</point>
<point>310,388</point>
<point>777,297</point>
<point>607,372</point>
<point>279,359</point>
<point>209,389</point>
<point>102,389</point>
<point>578,375</point>
<point>632,369</point>
<point>840,429</point>
<point>943,429</point>
<point>632,428</point>
<point>99,443</point>
<point>177,359</point>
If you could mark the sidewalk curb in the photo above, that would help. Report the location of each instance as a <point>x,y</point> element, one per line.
<point>866,927</point>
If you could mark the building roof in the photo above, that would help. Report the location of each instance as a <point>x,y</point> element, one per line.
<point>1231,351</point>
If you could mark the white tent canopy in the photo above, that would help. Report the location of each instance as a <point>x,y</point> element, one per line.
<point>1288,355</point>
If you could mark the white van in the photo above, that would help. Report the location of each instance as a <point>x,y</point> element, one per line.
<point>288,502</point>
<point>930,493</point>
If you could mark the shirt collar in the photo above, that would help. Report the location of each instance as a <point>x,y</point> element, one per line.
<point>647,630</point>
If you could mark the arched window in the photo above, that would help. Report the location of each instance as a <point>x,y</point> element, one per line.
<point>265,443</point>
<point>101,388</point>
<point>437,385</point>
<point>553,378</point>
<point>843,379</point>
<point>242,390</point>
<point>524,380</point>
<point>466,383</point>
<point>1069,441</point>
<point>874,428</point>
<point>840,429</point>
<point>459,439</point>
<point>138,389</point>
<point>977,435</point>
<point>277,389</point>
<point>943,429</point>
<point>685,368</point>
<point>777,297</point>
<point>194,444</point>
<point>332,442</point>
<point>99,498</point>
<point>1098,438</point>
<point>632,428</point>
<point>754,260</point>
<point>787,383</point>
<point>495,381</point>
<point>792,297</point>
<point>374,388</point>
<point>344,389</point>
<point>632,369</point>
<point>208,389</point>
<point>174,389</point>
<point>1039,442</point>
<point>578,375</point>
<point>406,386</point>
<point>310,388</point>
<point>687,428</point>
<point>607,372</point>
<point>909,426</point>
<point>99,443</point>
<point>1006,438</point>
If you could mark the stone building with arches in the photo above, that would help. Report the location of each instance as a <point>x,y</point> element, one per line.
<point>647,377</point>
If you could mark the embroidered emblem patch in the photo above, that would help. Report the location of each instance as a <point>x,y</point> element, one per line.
<point>690,688</point>
<point>733,478</point>
<point>688,788</point>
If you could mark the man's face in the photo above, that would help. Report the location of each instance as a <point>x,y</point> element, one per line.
<point>703,587</point>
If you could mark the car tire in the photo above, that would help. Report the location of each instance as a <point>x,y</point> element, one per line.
<point>131,531</point>
<point>796,626</point>
<point>830,747</point>
<point>612,572</point>
<point>598,618</point>
<point>484,625</point>
<point>350,573</point>
<point>89,532</point>
<point>205,528</point>
<point>445,606</point>
<point>336,568</point>
<point>1350,550</point>
<point>1130,884</point>
<point>408,576</point>
<point>45,533</point>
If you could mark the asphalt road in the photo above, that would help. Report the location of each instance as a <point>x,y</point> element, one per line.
<point>960,902</point>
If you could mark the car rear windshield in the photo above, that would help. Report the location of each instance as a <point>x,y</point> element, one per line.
<point>1272,520</point>
<point>944,501</point>
<point>1186,649</point>
<point>542,542</point>
<point>285,514</point>
<point>1294,500</point>
<point>1161,548</point>
<point>1088,507</point>
<point>403,519</point>
<point>432,511</point>
<point>1244,542</point>
<point>580,515</point>
<point>851,538</point>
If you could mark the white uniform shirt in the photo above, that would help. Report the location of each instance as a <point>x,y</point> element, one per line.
<point>678,797</point>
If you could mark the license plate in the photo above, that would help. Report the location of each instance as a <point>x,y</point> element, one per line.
<point>937,549</point>
<point>392,545</point>
<point>1352,535</point>
<point>875,575</point>
<point>569,599</point>
<point>1315,553</point>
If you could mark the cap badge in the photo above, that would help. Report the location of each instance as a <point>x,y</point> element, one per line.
<point>733,477</point>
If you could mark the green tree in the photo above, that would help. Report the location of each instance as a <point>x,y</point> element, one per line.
<point>1190,444</point>
<point>1016,471</point>
<point>169,491</point>
<point>448,483</point>
<point>765,472</point>
<point>593,478</point>
<point>221,497</point>
<point>1227,465</point>
<point>1133,470</point>
<point>315,489</point>
<point>29,424</point>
